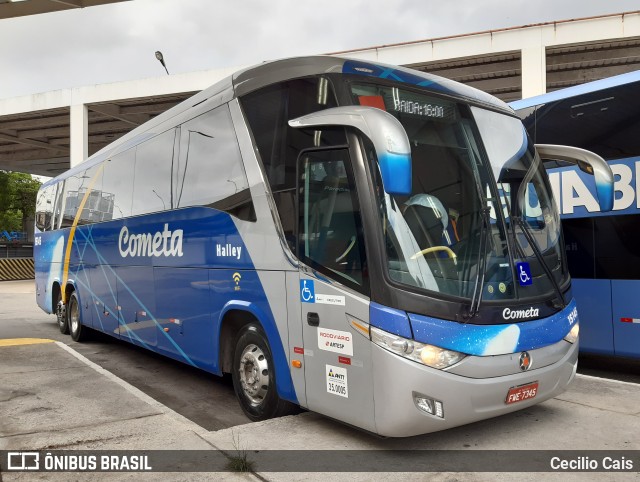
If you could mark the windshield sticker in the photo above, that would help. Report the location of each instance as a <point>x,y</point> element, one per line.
<point>418,108</point>
<point>337,381</point>
<point>372,101</point>
<point>524,274</point>
<point>336,341</point>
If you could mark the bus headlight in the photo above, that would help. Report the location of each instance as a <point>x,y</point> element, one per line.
<point>572,336</point>
<point>430,355</point>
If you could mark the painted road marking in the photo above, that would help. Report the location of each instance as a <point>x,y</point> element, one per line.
<point>24,341</point>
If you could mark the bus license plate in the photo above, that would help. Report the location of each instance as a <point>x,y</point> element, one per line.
<point>522,393</point>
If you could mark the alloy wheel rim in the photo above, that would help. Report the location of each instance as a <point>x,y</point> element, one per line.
<point>74,316</point>
<point>60,313</point>
<point>254,373</point>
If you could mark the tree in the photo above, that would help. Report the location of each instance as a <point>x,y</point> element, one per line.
<point>18,193</point>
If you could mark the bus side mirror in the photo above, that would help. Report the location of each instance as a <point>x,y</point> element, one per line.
<point>385,131</point>
<point>588,162</point>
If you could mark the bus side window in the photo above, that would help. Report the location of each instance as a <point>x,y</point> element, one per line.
<point>44,208</point>
<point>74,187</point>
<point>117,186</point>
<point>209,171</point>
<point>268,111</point>
<point>57,205</point>
<point>89,210</point>
<point>153,184</point>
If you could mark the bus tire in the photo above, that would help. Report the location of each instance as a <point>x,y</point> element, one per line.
<point>253,376</point>
<point>74,319</point>
<point>61,315</point>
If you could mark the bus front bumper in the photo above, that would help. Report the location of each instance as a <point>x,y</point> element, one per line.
<point>464,400</point>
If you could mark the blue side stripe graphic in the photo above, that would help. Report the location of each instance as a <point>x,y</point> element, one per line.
<point>140,303</point>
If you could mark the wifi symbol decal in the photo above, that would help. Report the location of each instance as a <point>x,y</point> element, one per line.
<point>236,278</point>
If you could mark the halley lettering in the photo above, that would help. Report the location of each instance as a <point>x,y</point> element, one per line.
<point>228,251</point>
<point>161,243</point>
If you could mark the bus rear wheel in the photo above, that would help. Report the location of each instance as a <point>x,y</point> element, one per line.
<point>74,319</point>
<point>253,376</point>
<point>61,315</point>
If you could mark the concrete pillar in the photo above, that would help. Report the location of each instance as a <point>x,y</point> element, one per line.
<point>79,134</point>
<point>534,71</point>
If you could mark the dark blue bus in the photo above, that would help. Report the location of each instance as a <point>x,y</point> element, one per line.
<point>603,248</point>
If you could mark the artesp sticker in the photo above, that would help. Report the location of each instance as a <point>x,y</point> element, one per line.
<point>336,341</point>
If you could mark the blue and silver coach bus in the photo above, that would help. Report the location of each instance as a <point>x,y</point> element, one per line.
<point>603,248</point>
<point>340,235</point>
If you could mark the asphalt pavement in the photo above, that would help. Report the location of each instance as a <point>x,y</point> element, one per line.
<point>53,397</point>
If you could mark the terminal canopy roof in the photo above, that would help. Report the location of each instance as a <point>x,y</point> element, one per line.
<point>21,8</point>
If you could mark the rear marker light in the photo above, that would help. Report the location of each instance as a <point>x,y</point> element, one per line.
<point>630,320</point>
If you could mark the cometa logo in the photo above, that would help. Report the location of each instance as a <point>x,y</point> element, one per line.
<point>161,243</point>
<point>509,314</point>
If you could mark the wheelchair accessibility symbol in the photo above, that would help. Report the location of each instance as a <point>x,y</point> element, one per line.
<point>524,274</point>
<point>307,291</point>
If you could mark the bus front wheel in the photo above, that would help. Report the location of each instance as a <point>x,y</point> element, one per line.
<point>253,376</point>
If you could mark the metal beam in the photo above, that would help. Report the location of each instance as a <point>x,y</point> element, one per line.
<point>111,110</point>
<point>577,55</point>
<point>152,108</point>
<point>15,147</point>
<point>37,122</point>
<point>590,64</point>
<point>70,3</point>
<point>109,126</point>
<point>27,156</point>
<point>31,142</point>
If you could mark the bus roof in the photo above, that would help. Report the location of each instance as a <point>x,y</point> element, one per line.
<point>267,73</point>
<point>577,90</point>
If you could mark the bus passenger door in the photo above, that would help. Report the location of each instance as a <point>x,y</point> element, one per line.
<point>337,358</point>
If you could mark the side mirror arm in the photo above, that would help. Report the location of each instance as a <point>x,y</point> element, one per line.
<point>588,162</point>
<point>385,132</point>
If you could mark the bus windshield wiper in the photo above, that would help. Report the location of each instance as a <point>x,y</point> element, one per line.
<point>481,265</point>
<point>536,251</point>
<point>518,220</point>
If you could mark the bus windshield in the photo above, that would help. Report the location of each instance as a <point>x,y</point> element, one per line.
<point>453,234</point>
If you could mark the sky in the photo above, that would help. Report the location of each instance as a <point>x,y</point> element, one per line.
<point>117,42</point>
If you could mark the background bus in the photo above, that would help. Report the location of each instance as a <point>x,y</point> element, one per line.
<point>603,249</point>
